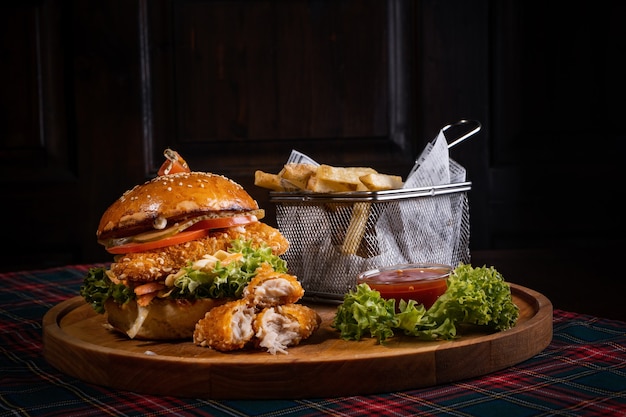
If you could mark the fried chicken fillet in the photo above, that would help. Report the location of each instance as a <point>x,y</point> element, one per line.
<point>157,264</point>
<point>266,318</point>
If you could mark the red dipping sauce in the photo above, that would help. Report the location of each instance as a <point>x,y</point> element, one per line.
<point>423,282</point>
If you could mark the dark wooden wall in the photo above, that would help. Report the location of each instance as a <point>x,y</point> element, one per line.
<point>93,91</point>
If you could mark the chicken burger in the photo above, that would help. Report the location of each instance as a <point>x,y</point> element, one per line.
<point>182,243</point>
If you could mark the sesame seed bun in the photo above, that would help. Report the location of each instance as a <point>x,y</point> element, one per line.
<point>170,198</point>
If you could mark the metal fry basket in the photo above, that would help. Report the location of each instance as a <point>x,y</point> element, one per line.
<point>334,237</point>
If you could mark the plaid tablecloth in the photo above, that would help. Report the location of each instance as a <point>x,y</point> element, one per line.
<point>581,373</point>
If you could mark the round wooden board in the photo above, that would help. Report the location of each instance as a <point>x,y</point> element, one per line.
<point>77,343</point>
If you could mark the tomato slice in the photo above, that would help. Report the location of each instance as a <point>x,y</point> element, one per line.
<point>176,239</point>
<point>223,222</point>
<point>173,164</point>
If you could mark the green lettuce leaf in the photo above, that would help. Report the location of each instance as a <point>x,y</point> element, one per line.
<point>477,296</point>
<point>97,288</point>
<point>364,311</point>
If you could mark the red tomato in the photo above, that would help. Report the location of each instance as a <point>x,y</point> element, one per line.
<point>173,163</point>
<point>181,237</point>
<point>223,222</point>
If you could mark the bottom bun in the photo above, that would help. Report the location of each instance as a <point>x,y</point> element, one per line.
<point>162,319</point>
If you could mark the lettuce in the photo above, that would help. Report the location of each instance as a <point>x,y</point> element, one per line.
<point>476,296</point>
<point>365,311</point>
<point>224,281</point>
<point>97,288</point>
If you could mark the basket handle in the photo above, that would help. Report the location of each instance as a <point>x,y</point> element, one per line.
<point>476,127</point>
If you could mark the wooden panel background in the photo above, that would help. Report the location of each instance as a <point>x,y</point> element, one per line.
<point>245,82</point>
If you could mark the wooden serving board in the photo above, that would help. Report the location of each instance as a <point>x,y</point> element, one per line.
<point>77,343</point>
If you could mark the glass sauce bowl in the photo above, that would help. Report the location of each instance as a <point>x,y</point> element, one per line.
<point>422,282</point>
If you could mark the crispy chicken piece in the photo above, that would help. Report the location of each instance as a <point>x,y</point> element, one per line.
<point>270,288</point>
<point>277,328</point>
<point>261,233</point>
<point>266,316</point>
<point>156,264</point>
<point>227,327</point>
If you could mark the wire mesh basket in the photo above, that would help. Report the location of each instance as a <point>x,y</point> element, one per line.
<point>334,237</point>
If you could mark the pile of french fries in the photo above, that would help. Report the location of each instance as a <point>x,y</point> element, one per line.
<point>331,179</point>
<point>326,179</point>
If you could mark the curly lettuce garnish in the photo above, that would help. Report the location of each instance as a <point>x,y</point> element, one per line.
<point>221,281</point>
<point>97,288</point>
<point>477,296</point>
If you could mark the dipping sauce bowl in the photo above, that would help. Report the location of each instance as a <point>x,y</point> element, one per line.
<point>422,282</point>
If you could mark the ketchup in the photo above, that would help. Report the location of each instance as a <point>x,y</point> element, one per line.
<point>424,284</point>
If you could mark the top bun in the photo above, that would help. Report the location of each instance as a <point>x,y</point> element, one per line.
<point>173,197</point>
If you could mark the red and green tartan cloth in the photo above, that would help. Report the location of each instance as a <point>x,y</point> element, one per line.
<point>581,373</point>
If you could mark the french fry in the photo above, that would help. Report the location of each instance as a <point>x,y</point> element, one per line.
<point>356,228</point>
<point>331,179</point>
<point>327,179</point>
<point>298,174</point>
<point>346,175</point>
<point>319,185</point>
<point>380,182</point>
<point>272,182</point>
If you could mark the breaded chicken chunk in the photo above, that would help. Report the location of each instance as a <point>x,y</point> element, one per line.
<point>270,288</point>
<point>277,328</point>
<point>227,327</point>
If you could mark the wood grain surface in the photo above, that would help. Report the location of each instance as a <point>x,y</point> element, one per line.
<point>77,342</point>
